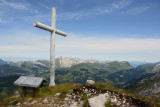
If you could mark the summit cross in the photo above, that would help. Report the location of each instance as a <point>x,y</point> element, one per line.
<point>53,30</point>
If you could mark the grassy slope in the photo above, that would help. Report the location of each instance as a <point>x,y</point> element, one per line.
<point>141,85</point>
<point>96,71</point>
<point>125,76</point>
<point>67,88</point>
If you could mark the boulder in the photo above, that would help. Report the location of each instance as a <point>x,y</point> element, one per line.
<point>90,82</point>
<point>45,100</point>
<point>97,101</point>
<point>57,94</point>
<point>33,102</point>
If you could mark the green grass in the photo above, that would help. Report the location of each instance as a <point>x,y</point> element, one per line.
<point>59,88</point>
<point>109,104</point>
<point>85,103</point>
<point>63,89</point>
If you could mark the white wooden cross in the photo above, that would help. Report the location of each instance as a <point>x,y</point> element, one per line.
<point>52,42</point>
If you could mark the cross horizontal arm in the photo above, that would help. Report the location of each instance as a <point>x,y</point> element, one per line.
<point>48,28</point>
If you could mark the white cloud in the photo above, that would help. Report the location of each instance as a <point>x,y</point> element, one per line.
<point>82,46</point>
<point>121,4</point>
<point>118,7</point>
<point>14,5</point>
<point>110,44</point>
<point>136,10</point>
<point>10,7</point>
<point>109,8</point>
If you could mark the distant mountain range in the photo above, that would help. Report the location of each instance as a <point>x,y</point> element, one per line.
<point>119,73</point>
<point>71,61</point>
<point>61,62</point>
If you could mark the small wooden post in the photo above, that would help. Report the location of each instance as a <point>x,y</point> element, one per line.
<point>23,92</point>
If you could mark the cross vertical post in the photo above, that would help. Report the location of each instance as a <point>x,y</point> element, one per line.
<point>53,31</point>
<point>52,48</point>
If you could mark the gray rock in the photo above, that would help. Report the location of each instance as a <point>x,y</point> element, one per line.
<point>90,82</point>
<point>18,104</point>
<point>66,98</point>
<point>29,99</point>
<point>74,104</point>
<point>155,88</point>
<point>16,96</point>
<point>97,101</point>
<point>33,102</point>
<point>68,95</point>
<point>45,100</point>
<point>16,92</point>
<point>57,94</point>
<point>25,102</point>
<point>156,68</point>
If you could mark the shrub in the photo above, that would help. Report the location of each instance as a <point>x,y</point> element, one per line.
<point>109,104</point>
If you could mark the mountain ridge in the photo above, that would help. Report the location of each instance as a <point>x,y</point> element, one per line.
<point>119,73</point>
<point>148,84</point>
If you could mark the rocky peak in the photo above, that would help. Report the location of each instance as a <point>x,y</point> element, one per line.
<point>68,62</point>
<point>156,68</point>
<point>153,91</point>
<point>20,63</point>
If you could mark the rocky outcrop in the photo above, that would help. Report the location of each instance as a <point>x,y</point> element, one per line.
<point>154,90</point>
<point>156,68</point>
<point>98,101</point>
<point>116,99</point>
<point>152,84</point>
<point>98,97</point>
<point>156,71</point>
<point>93,96</point>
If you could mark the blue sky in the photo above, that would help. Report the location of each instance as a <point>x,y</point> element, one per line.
<point>97,29</point>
